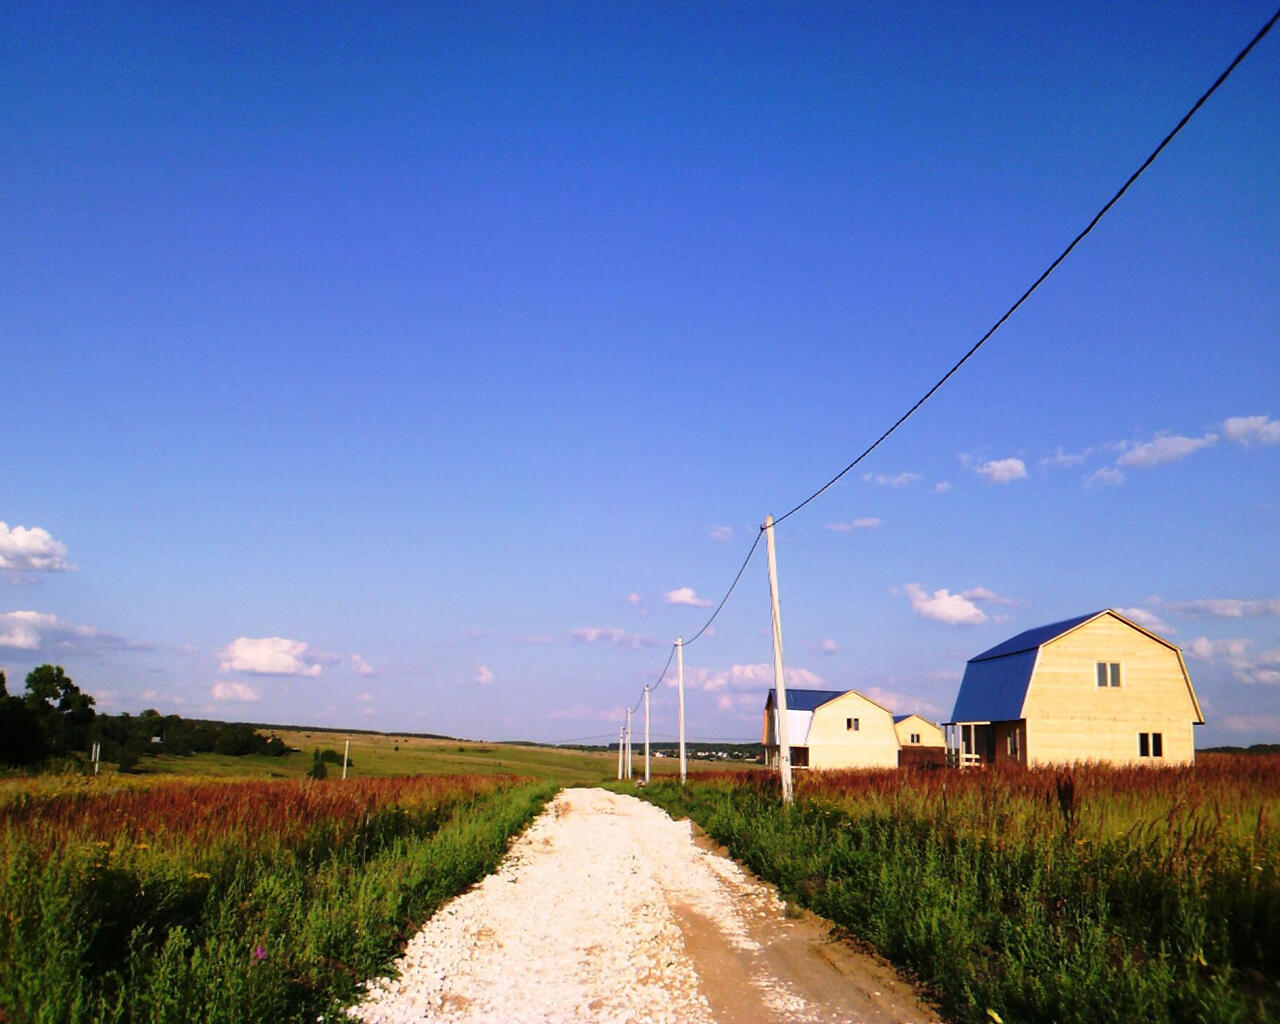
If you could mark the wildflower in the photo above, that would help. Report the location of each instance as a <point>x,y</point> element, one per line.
<point>259,952</point>
<point>200,874</point>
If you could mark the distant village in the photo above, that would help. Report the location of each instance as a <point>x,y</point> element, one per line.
<point>1098,687</point>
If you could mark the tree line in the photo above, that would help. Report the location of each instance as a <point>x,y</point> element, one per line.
<point>54,719</point>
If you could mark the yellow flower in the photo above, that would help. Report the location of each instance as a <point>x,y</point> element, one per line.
<point>200,874</point>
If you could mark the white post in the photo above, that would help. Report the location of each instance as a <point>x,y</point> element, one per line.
<point>620,729</point>
<point>684,764</point>
<point>779,684</point>
<point>630,767</point>
<point>96,756</point>
<point>646,735</point>
<point>346,756</point>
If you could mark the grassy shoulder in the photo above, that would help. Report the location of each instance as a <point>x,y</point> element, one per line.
<point>233,901</point>
<point>1021,900</point>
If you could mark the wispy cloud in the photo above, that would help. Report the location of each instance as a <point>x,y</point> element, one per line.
<point>31,549</point>
<point>1107,476</point>
<point>483,675</point>
<point>866,523</point>
<point>1065,460</point>
<point>41,631</point>
<point>686,596</point>
<point>1249,430</point>
<point>1247,667</point>
<point>1001,471</point>
<point>587,713</point>
<point>1146,619</point>
<point>362,667</point>
<point>900,480</point>
<point>234,691</point>
<point>828,646</point>
<point>757,676</point>
<point>721,533</point>
<point>610,635</point>
<point>1162,449</point>
<point>1228,607</point>
<point>953,609</point>
<point>269,656</point>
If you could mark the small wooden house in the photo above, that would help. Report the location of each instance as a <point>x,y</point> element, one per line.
<point>832,729</point>
<point>920,741</point>
<point>1094,688</point>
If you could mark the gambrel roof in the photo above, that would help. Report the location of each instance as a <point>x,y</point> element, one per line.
<point>994,688</point>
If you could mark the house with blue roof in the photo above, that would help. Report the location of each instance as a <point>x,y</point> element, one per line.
<point>831,729</point>
<point>1098,687</point>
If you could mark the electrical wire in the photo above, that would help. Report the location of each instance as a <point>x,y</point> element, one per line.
<point>1051,268</point>
<point>741,569</point>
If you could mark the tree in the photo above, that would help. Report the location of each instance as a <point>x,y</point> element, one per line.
<point>64,713</point>
<point>21,739</point>
<point>317,769</point>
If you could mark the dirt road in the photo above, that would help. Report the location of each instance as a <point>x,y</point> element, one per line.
<point>606,910</point>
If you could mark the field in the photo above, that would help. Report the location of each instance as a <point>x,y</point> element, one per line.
<point>230,900</point>
<point>1084,896</point>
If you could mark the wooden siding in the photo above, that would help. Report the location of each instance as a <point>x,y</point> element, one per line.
<point>930,733</point>
<point>832,745</point>
<point>1070,718</point>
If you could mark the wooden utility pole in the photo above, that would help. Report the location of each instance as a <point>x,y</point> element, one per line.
<point>646,735</point>
<point>346,756</point>
<point>629,764</point>
<point>779,684</point>
<point>620,731</point>
<point>684,764</point>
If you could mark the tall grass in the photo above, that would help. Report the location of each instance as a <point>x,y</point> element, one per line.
<point>231,901</point>
<point>1085,896</point>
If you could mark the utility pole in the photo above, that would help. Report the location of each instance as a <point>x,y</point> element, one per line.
<point>646,735</point>
<point>620,731</point>
<point>684,764</point>
<point>346,756</point>
<point>629,765</point>
<point>779,684</point>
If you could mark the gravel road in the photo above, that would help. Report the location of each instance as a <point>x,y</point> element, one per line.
<point>606,910</point>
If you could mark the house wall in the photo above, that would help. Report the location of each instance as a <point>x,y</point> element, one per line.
<point>930,734</point>
<point>832,745</point>
<point>1070,718</point>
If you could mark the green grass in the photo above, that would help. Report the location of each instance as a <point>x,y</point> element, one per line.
<point>231,901</point>
<point>1123,896</point>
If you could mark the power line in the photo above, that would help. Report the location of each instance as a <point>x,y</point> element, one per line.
<point>741,570</point>
<point>1051,268</point>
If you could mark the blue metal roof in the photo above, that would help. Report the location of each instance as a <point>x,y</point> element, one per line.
<point>993,689</point>
<point>804,700</point>
<point>1032,639</point>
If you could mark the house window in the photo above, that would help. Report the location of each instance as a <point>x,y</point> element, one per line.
<point>915,737</point>
<point>851,724</point>
<point>1144,744</point>
<point>1157,744</point>
<point>1108,673</point>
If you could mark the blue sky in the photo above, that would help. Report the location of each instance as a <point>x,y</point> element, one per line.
<point>428,368</point>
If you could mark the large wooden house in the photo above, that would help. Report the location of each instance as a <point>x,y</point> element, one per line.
<point>831,729</point>
<point>920,741</point>
<point>1094,688</point>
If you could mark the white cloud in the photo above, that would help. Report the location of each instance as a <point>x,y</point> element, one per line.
<point>1062,459</point>
<point>941,486</point>
<point>535,639</point>
<point>1146,619</point>
<point>1164,448</point>
<point>31,550</point>
<point>828,646</point>
<point>745,677</point>
<point>483,675</point>
<point>867,523</point>
<point>362,667</point>
<point>585,712</point>
<point>1263,667</point>
<point>269,656</point>
<point>1001,471</point>
<point>1256,724</point>
<point>610,635</point>
<point>35,631</point>
<point>942,606</point>
<point>1232,649</point>
<point>904,703</point>
<point>1229,608</point>
<point>1244,430</point>
<point>686,596</point>
<point>234,691</point>
<point>1107,476</point>
<point>721,533</point>
<point>901,480</point>
<point>633,599</point>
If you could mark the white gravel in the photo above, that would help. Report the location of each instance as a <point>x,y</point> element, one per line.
<point>583,923</point>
